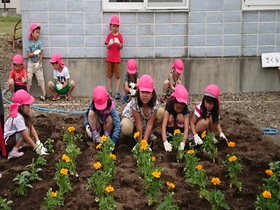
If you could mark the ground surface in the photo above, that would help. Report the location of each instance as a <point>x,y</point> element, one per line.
<point>242,117</point>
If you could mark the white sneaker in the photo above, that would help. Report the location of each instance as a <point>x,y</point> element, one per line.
<point>14,154</point>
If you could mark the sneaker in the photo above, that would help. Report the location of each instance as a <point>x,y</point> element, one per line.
<point>14,154</point>
<point>56,97</point>
<point>125,99</point>
<point>118,95</point>
<point>110,93</point>
<point>68,97</point>
<point>43,97</point>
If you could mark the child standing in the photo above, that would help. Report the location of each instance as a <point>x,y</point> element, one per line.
<point>114,43</point>
<point>18,76</point>
<point>35,55</point>
<point>101,116</point>
<point>176,116</point>
<point>131,80</point>
<point>206,115</point>
<point>173,79</point>
<point>142,111</point>
<point>61,85</point>
<point>19,128</point>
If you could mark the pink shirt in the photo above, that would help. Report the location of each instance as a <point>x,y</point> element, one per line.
<point>114,52</point>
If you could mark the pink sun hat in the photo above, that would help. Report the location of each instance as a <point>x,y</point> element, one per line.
<point>178,65</point>
<point>21,97</point>
<point>131,66</point>
<point>57,58</point>
<point>100,97</point>
<point>17,59</point>
<point>212,90</point>
<point>32,28</point>
<point>181,94</point>
<point>146,83</point>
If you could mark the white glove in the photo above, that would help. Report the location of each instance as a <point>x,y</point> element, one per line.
<point>37,52</point>
<point>222,136</point>
<point>40,149</point>
<point>111,42</point>
<point>40,144</point>
<point>36,65</point>
<point>22,80</point>
<point>132,92</point>
<point>197,140</point>
<point>88,131</point>
<point>116,40</point>
<point>59,86</point>
<point>215,141</point>
<point>182,146</point>
<point>167,146</point>
<point>132,85</point>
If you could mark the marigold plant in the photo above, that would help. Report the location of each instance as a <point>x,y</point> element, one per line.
<point>190,166</point>
<point>176,141</point>
<point>209,147</point>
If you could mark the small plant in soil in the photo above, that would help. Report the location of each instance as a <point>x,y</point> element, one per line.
<point>23,182</point>
<point>4,204</point>
<point>176,141</point>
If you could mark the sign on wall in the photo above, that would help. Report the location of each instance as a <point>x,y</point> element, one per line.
<point>270,59</point>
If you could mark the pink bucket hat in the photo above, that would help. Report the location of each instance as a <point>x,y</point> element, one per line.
<point>212,90</point>
<point>146,83</point>
<point>115,20</point>
<point>181,94</point>
<point>20,97</point>
<point>32,28</point>
<point>100,97</point>
<point>178,65</point>
<point>57,58</point>
<point>17,59</point>
<point>131,66</point>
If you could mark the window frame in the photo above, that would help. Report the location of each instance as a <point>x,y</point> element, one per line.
<point>260,5</point>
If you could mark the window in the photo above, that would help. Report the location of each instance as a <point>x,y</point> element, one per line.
<point>260,4</point>
<point>144,5</point>
<point>6,1</point>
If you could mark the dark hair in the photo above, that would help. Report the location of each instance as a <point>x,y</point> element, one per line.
<point>151,102</point>
<point>27,118</point>
<point>172,100</point>
<point>109,104</point>
<point>214,111</point>
<point>38,27</point>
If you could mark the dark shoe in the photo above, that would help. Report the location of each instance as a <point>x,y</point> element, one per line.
<point>125,99</point>
<point>118,95</point>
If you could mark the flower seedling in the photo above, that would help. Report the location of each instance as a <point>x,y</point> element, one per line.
<point>4,204</point>
<point>108,202</point>
<point>49,144</point>
<point>23,181</point>
<point>176,141</point>
<point>190,166</point>
<point>209,146</point>
<point>33,176</point>
<point>168,202</point>
<point>52,200</point>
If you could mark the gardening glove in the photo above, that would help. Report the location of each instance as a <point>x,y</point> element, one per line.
<point>132,85</point>
<point>197,140</point>
<point>182,146</point>
<point>36,65</point>
<point>222,136</point>
<point>111,42</point>
<point>132,92</point>
<point>88,131</point>
<point>23,80</point>
<point>116,40</point>
<point>215,141</point>
<point>59,86</point>
<point>37,52</point>
<point>40,144</point>
<point>167,146</point>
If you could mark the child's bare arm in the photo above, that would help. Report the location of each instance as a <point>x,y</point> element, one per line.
<point>149,127</point>
<point>138,123</point>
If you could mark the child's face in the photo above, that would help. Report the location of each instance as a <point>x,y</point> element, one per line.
<point>115,28</point>
<point>176,74</point>
<point>179,107</point>
<point>55,65</point>
<point>26,109</point>
<point>209,105</point>
<point>146,96</point>
<point>36,34</point>
<point>17,67</point>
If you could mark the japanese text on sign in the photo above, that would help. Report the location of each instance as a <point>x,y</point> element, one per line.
<point>270,59</point>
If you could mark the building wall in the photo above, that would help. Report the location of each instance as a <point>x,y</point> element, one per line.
<point>212,30</point>
<point>14,4</point>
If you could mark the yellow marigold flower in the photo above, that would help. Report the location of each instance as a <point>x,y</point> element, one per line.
<point>266,194</point>
<point>203,135</point>
<point>71,129</point>
<point>136,135</point>
<point>97,165</point>
<point>143,144</point>
<point>98,146</point>
<point>154,158</point>
<point>216,181</point>
<point>113,156</point>
<point>64,171</point>
<point>199,167</point>
<point>109,189</point>
<point>191,151</point>
<point>156,174</point>
<point>177,131</point>
<point>170,185</point>
<point>232,158</point>
<point>103,138</point>
<point>269,172</point>
<point>53,194</point>
<point>65,158</point>
<point>231,144</point>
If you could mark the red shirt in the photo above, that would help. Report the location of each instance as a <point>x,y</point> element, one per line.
<point>114,52</point>
<point>16,76</point>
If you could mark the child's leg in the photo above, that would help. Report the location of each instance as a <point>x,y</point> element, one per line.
<point>127,127</point>
<point>72,86</point>
<point>165,87</point>
<point>109,74</point>
<point>11,84</point>
<point>108,126</point>
<point>159,117</point>
<point>213,126</point>
<point>95,126</point>
<point>40,79</point>
<point>52,87</point>
<point>202,125</point>
<point>117,72</point>
<point>30,72</point>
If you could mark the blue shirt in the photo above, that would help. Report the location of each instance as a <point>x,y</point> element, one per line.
<point>33,46</point>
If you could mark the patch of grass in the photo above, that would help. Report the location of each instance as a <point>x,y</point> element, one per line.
<point>8,23</point>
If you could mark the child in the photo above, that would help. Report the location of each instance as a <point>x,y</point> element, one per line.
<point>61,85</point>
<point>18,77</point>
<point>2,143</point>
<point>142,111</point>
<point>176,116</point>
<point>131,80</point>
<point>101,116</point>
<point>206,115</point>
<point>35,55</point>
<point>114,43</point>
<point>19,128</point>
<point>174,78</point>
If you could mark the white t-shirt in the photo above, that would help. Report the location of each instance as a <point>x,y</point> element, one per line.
<point>14,125</point>
<point>61,76</point>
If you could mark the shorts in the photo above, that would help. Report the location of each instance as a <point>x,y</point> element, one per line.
<point>11,141</point>
<point>38,73</point>
<point>19,87</point>
<point>63,91</point>
<point>113,68</point>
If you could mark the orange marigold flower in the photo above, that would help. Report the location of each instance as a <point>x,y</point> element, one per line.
<point>191,151</point>
<point>64,171</point>
<point>71,129</point>
<point>216,181</point>
<point>53,194</point>
<point>156,174</point>
<point>203,135</point>
<point>170,185</point>
<point>136,135</point>
<point>103,138</point>
<point>98,146</point>
<point>232,158</point>
<point>199,167</point>
<point>269,172</point>
<point>266,194</point>
<point>154,158</point>
<point>65,158</point>
<point>112,156</point>
<point>231,144</point>
<point>143,144</point>
<point>109,189</point>
<point>97,165</point>
<point>177,131</point>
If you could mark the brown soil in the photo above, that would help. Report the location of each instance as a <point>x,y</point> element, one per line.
<point>242,117</point>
